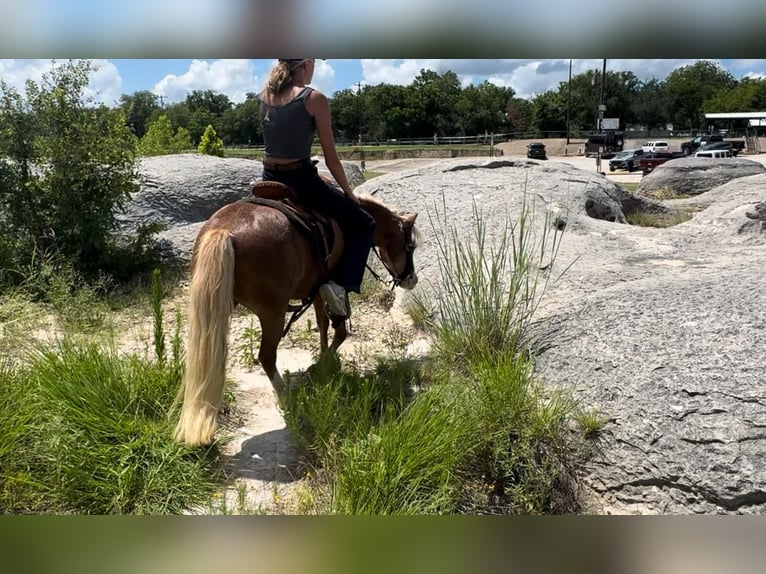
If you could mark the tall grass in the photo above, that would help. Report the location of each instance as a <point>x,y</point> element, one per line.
<point>408,463</point>
<point>468,428</point>
<point>490,287</point>
<point>86,429</point>
<point>525,457</point>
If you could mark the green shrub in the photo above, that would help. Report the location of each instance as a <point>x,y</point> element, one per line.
<point>210,144</point>
<point>69,166</point>
<point>160,139</point>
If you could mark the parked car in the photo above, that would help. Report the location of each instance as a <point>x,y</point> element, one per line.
<point>607,144</point>
<point>722,145</point>
<point>697,143</point>
<point>655,146</point>
<point>536,151</point>
<point>649,161</point>
<point>714,153</point>
<point>627,159</point>
<point>703,142</point>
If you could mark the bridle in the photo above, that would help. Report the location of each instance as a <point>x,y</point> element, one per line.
<point>409,265</point>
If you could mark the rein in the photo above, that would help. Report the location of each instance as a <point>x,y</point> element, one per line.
<point>395,281</point>
<point>409,266</point>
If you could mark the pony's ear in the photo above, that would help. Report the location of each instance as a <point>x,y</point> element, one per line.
<point>409,218</point>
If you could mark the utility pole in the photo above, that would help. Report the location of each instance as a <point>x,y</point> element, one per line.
<point>569,96</point>
<point>362,165</point>
<point>601,110</point>
<point>601,104</point>
<point>359,109</point>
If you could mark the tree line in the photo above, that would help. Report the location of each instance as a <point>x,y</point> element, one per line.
<point>437,104</point>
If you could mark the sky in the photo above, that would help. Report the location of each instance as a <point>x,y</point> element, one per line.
<point>173,79</point>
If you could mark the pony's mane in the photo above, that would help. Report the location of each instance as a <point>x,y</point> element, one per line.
<point>375,202</point>
<point>372,199</point>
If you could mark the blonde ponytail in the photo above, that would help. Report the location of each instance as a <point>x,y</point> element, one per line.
<point>280,76</point>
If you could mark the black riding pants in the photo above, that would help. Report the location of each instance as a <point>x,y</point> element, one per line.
<point>357,225</point>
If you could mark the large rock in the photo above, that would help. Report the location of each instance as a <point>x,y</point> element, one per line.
<point>182,191</point>
<point>695,175</point>
<point>734,212</point>
<point>661,330</point>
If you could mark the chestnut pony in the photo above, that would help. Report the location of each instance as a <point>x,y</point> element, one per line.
<point>252,255</point>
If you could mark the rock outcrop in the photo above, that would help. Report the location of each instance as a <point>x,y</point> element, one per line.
<point>660,330</point>
<point>696,175</point>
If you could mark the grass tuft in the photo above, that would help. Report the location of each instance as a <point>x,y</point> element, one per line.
<point>647,219</point>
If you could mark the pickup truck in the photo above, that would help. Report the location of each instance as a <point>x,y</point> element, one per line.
<point>689,147</point>
<point>651,160</point>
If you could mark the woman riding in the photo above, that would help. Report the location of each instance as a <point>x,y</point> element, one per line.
<point>291,113</point>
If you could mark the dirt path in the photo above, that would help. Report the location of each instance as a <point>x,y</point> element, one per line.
<point>265,461</point>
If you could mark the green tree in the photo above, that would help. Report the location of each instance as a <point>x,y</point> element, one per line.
<point>747,95</point>
<point>689,87</point>
<point>386,113</point>
<point>69,165</point>
<point>138,109</point>
<point>483,108</point>
<point>161,140</point>
<point>433,102</point>
<point>241,124</point>
<point>178,113</point>
<point>649,104</point>
<point>210,144</point>
<point>582,101</point>
<point>347,107</point>
<point>549,113</point>
<point>518,115</point>
<point>619,92</point>
<point>205,108</point>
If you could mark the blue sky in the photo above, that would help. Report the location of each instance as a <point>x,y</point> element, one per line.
<point>173,79</point>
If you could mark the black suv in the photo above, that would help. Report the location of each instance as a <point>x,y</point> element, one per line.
<point>627,159</point>
<point>536,151</point>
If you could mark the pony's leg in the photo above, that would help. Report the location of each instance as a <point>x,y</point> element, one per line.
<point>272,326</point>
<point>323,324</point>
<point>339,335</point>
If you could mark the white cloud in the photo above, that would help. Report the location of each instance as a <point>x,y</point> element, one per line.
<point>16,72</point>
<point>104,85</point>
<point>401,72</point>
<point>235,78</point>
<point>324,77</point>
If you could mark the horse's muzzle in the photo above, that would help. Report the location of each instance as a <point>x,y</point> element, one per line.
<point>409,282</point>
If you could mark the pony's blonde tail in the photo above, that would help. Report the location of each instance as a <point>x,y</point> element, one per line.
<point>210,307</point>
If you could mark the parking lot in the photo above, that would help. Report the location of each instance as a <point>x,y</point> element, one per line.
<point>585,163</point>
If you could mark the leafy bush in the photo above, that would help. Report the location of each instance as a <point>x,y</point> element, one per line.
<point>68,165</point>
<point>210,144</point>
<point>161,140</point>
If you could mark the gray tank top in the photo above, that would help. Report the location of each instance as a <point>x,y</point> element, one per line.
<point>288,130</point>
